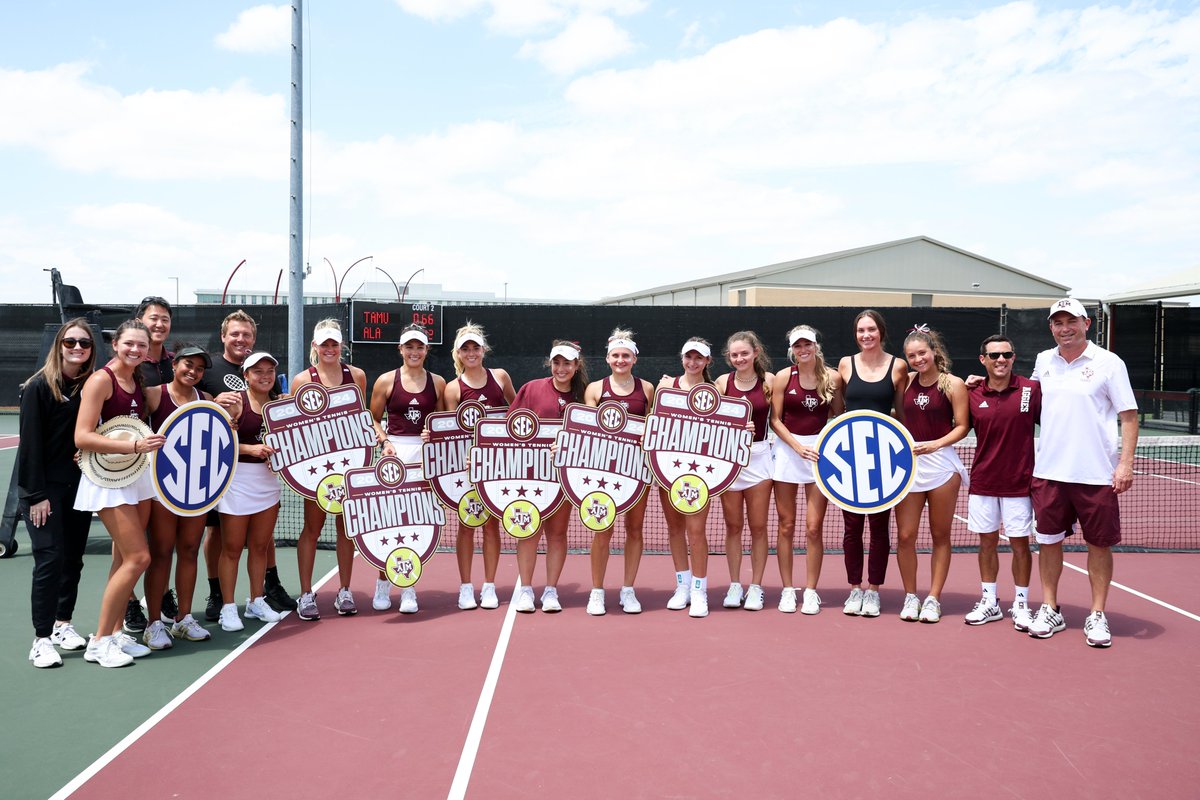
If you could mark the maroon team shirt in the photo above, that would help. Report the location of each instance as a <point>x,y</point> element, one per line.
<point>1004,423</point>
<point>540,397</point>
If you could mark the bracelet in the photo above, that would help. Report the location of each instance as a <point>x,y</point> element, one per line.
<point>135,441</point>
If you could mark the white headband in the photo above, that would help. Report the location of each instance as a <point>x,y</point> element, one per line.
<point>808,334</point>
<point>628,344</point>
<point>468,337</point>
<point>699,347</point>
<point>569,352</point>
<point>408,336</point>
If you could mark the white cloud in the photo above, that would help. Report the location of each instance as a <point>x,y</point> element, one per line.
<point>261,29</point>
<point>585,42</point>
<point>519,17</point>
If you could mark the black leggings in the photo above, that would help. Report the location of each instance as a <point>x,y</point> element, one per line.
<point>852,546</point>
<point>57,557</point>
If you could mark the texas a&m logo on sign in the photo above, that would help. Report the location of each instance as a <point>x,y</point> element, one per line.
<point>512,469</point>
<point>866,461</point>
<point>444,460</point>
<point>317,435</point>
<point>393,517</point>
<point>600,462</point>
<point>196,463</point>
<point>696,442</point>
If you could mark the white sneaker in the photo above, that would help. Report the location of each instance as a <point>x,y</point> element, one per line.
<point>911,610</point>
<point>699,603</point>
<point>550,603</point>
<point>853,605</point>
<point>156,636</point>
<point>931,610</point>
<point>382,600</point>
<point>595,605</point>
<point>787,600</point>
<point>1095,630</point>
<point>754,598</point>
<point>190,630</point>
<point>812,602</point>
<point>1021,616</point>
<point>129,645</point>
<point>629,601</point>
<point>985,611</point>
<point>103,650</point>
<point>523,600</point>
<point>487,596</point>
<point>733,598</point>
<point>66,637</point>
<point>230,621</point>
<point>408,601</point>
<point>43,655</point>
<point>466,597</point>
<point>258,609</point>
<point>679,601</point>
<point>870,606</point>
<point>1047,623</point>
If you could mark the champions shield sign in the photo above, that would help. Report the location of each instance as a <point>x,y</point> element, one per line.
<point>317,434</point>
<point>444,460</point>
<point>866,461</point>
<point>513,470</point>
<point>697,443</point>
<point>600,462</point>
<point>393,517</point>
<point>196,463</point>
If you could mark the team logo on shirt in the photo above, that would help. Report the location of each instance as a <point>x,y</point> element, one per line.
<point>512,469</point>
<point>866,461</point>
<point>317,435</point>
<point>393,517</point>
<point>234,383</point>
<point>921,401</point>
<point>810,402</point>
<point>195,465</point>
<point>444,460</point>
<point>696,443</point>
<point>600,462</point>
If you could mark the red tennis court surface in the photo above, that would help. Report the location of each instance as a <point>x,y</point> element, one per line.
<point>8,441</point>
<point>660,705</point>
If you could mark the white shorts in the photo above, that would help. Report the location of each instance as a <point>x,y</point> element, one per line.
<point>986,513</point>
<point>254,488</point>
<point>758,470</point>
<point>91,497</point>
<point>408,450</point>
<point>936,468</point>
<point>790,467</point>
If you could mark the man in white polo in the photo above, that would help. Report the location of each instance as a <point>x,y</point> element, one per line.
<point>1077,474</point>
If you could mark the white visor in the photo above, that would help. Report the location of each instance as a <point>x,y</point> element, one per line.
<point>699,347</point>
<point>469,337</point>
<point>323,335</point>
<point>566,351</point>
<point>807,334</point>
<point>617,344</point>
<point>409,336</point>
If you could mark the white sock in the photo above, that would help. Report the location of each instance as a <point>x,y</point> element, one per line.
<point>683,578</point>
<point>700,584</point>
<point>1023,594</point>
<point>989,592</point>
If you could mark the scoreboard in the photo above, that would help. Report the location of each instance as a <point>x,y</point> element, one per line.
<point>381,323</point>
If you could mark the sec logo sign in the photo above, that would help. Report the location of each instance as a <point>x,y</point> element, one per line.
<point>197,461</point>
<point>866,462</point>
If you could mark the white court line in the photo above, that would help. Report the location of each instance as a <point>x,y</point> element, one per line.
<point>1142,595</point>
<point>466,761</point>
<point>141,730</point>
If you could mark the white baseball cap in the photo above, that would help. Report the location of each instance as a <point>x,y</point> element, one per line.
<point>803,332</point>
<point>409,336</point>
<point>1070,305</point>
<point>322,335</point>
<point>699,347</point>
<point>569,352</point>
<point>254,358</point>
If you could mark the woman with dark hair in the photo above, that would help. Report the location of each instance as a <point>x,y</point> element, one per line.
<point>407,394</point>
<point>548,398</point>
<point>113,391</point>
<point>874,381</point>
<point>47,481</point>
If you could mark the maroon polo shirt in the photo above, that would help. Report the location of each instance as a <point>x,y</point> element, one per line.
<point>1004,423</point>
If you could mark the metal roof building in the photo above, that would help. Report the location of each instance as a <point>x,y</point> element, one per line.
<point>918,271</point>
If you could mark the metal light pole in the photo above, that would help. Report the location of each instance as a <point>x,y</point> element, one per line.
<point>176,279</point>
<point>404,294</point>
<point>296,354</point>
<point>230,280</point>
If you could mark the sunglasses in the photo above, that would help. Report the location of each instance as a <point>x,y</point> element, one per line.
<point>70,343</point>
<point>1006,354</point>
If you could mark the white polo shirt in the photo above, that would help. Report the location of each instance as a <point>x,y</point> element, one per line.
<point>1080,403</point>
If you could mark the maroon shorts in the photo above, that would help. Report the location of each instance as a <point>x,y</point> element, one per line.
<point>1057,506</point>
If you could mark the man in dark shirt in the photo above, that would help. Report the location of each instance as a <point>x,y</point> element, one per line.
<point>155,314</point>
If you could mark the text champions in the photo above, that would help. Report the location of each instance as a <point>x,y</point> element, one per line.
<point>509,462</point>
<point>386,511</point>
<point>580,451</point>
<point>698,436</point>
<point>303,442</point>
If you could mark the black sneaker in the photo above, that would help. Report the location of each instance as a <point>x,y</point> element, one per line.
<point>135,618</point>
<point>278,598</point>
<point>212,608</point>
<point>170,609</point>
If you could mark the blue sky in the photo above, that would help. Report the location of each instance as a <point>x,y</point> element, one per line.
<point>582,148</point>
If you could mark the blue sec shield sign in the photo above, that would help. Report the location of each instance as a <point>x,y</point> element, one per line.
<point>866,461</point>
<point>196,463</point>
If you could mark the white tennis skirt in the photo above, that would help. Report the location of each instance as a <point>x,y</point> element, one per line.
<point>934,469</point>
<point>254,488</point>
<point>408,449</point>
<point>789,466</point>
<point>758,470</point>
<point>91,497</point>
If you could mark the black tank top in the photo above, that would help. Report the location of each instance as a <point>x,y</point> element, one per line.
<point>870,396</point>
